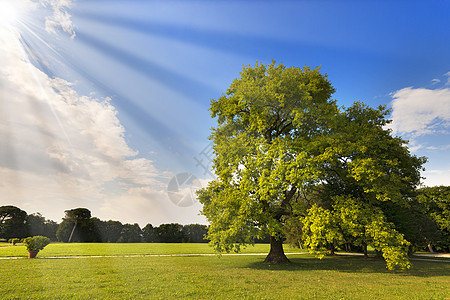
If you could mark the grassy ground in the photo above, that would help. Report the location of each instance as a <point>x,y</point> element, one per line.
<point>117,249</point>
<point>210,277</point>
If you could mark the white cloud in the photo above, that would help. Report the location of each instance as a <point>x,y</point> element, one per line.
<point>62,150</point>
<point>61,19</point>
<point>423,116</point>
<point>421,111</point>
<point>448,77</point>
<point>435,81</point>
<point>436,177</point>
<point>439,148</point>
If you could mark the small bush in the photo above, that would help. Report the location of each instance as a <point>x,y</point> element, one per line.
<point>36,243</point>
<point>14,241</point>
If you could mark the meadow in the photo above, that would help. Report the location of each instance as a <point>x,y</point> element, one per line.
<point>135,271</point>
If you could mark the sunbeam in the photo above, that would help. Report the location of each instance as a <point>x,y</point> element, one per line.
<point>103,102</point>
<point>8,13</point>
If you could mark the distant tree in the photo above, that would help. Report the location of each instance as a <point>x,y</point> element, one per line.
<point>111,231</point>
<point>170,233</point>
<point>436,203</point>
<point>38,225</point>
<point>77,216</point>
<point>194,233</point>
<point>131,233</point>
<point>12,222</point>
<point>92,230</point>
<point>50,229</point>
<point>64,230</point>
<point>413,221</point>
<point>149,234</point>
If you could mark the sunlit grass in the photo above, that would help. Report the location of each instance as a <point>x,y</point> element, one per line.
<point>118,249</point>
<point>228,277</point>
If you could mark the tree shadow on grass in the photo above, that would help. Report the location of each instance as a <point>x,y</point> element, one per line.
<point>355,264</point>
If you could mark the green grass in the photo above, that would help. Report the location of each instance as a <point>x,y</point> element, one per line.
<point>117,249</point>
<point>210,277</point>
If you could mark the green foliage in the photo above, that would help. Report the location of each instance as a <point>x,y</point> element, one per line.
<point>357,223</point>
<point>111,231</point>
<point>78,215</point>
<point>286,152</point>
<point>36,243</point>
<point>321,231</point>
<point>131,233</point>
<point>38,225</point>
<point>14,241</point>
<point>269,122</point>
<point>293,231</point>
<point>149,234</point>
<point>79,226</point>
<point>63,231</point>
<point>436,203</point>
<point>12,222</point>
<point>365,161</point>
<point>414,223</point>
<point>170,233</point>
<point>194,233</point>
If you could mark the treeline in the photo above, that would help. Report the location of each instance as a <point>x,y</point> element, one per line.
<point>79,226</point>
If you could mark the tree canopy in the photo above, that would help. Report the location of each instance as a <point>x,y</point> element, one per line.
<point>284,150</point>
<point>12,222</point>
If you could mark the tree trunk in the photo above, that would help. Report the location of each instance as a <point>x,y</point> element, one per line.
<point>430,248</point>
<point>364,246</point>
<point>348,247</point>
<point>73,230</point>
<point>330,247</point>
<point>276,254</point>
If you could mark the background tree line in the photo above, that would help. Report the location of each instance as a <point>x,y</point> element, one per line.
<point>79,226</point>
<point>424,222</point>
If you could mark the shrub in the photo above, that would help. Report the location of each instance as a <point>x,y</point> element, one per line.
<point>36,243</point>
<point>14,241</point>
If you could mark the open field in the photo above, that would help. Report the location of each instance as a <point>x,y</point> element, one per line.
<point>117,249</point>
<point>207,277</point>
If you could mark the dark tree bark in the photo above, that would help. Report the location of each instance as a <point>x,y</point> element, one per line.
<point>276,254</point>
<point>364,246</point>
<point>330,247</point>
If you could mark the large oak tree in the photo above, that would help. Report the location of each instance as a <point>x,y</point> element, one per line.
<point>285,150</point>
<point>270,122</point>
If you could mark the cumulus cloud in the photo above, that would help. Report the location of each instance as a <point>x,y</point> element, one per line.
<point>60,19</point>
<point>62,150</point>
<point>420,111</point>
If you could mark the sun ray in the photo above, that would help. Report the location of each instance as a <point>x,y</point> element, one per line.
<point>8,13</point>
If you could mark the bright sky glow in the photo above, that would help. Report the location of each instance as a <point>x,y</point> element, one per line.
<point>8,13</point>
<point>104,103</point>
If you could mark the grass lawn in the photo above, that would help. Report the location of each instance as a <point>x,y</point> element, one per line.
<point>210,277</point>
<point>117,249</point>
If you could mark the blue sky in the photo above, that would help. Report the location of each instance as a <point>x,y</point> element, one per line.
<point>103,103</point>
